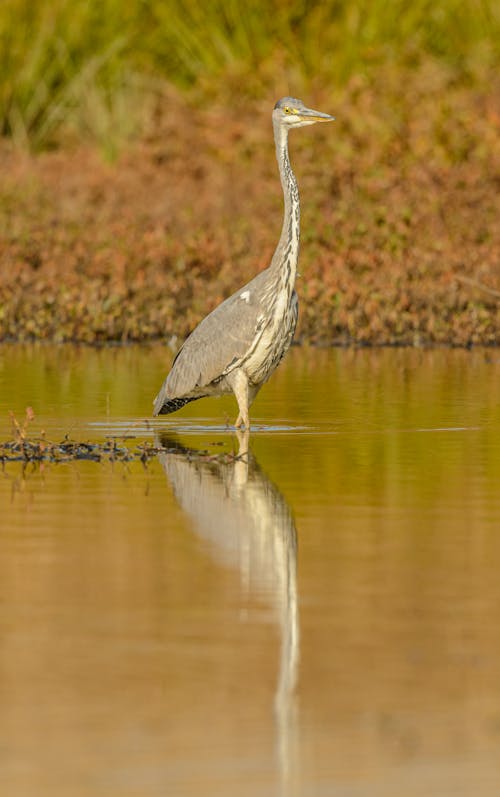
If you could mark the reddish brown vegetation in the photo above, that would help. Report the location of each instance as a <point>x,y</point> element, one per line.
<point>400,233</point>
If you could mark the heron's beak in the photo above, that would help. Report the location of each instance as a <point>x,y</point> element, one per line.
<point>309,115</point>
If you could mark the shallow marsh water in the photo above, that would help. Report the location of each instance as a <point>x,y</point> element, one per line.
<point>321,617</point>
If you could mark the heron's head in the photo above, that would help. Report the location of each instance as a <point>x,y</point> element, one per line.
<point>289,112</point>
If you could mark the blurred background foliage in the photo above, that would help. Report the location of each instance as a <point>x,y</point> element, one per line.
<point>96,68</point>
<point>400,233</point>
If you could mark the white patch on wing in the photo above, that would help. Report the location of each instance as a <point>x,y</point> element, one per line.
<point>245,296</point>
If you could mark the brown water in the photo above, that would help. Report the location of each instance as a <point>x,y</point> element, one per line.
<point>320,618</point>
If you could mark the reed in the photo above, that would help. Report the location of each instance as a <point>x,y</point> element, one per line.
<point>94,67</point>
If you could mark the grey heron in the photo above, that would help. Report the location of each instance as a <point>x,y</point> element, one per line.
<point>236,348</point>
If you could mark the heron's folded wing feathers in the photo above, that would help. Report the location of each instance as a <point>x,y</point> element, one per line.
<point>217,344</point>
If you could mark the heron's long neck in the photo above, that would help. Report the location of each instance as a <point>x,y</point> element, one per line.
<point>284,262</point>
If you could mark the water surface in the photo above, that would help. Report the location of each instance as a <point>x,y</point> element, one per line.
<point>319,617</point>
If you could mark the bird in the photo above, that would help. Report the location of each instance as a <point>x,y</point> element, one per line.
<point>237,346</point>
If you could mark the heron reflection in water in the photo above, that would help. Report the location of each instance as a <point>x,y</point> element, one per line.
<point>249,527</point>
<point>236,348</point>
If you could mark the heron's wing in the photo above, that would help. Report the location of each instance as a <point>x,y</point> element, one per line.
<point>219,342</point>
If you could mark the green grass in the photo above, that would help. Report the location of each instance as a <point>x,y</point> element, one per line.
<point>94,67</point>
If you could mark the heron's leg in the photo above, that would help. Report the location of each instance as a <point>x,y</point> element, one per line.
<point>242,438</point>
<point>239,384</point>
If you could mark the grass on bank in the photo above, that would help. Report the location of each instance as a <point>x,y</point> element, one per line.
<point>94,68</point>
<point>400,240</point>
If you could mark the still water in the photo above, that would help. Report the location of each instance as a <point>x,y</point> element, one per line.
<point>318,618</point>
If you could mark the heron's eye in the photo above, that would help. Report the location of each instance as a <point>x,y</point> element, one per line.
<point>286,109</point>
